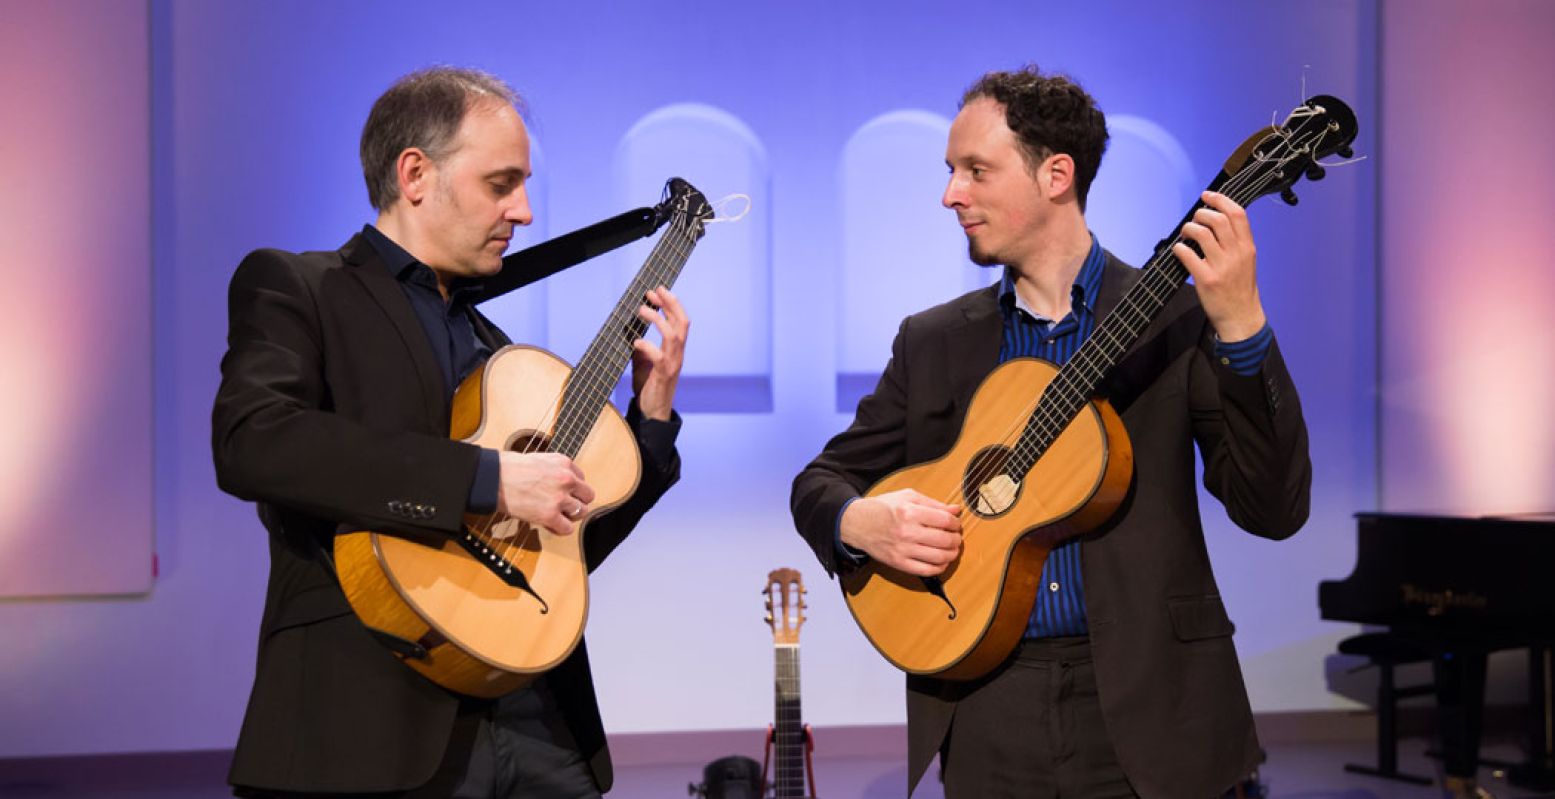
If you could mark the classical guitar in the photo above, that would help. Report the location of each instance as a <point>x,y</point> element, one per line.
<point>486,611</point>
<point>1040,459</point>
<point>788,741</point>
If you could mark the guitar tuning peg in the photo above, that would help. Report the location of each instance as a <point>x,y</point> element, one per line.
<point>767,618</point>
<point>1289,197</point>
<point>1345,152</point>
<point>1316,172</point>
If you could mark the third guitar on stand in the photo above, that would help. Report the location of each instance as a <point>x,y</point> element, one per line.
<point>789,736</point>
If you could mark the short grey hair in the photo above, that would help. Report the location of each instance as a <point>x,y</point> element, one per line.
<point>423,110</point>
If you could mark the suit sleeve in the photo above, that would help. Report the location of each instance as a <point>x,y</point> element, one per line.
<point>275,438</point>
<point>1253,439</point>
<point>871,448</point>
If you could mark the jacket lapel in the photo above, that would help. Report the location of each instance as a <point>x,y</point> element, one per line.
<point>374,276</point>
<point>489,334</point>
<point>1116,279</point>
<point>972,345</point>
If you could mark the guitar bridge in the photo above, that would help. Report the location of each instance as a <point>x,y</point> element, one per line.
<point>505,569</point>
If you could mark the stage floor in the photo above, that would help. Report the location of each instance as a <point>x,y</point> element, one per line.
<point>1293,771</point>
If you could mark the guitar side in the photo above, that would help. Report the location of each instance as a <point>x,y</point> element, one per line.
<point>484,636</point>
<point>990,588</point>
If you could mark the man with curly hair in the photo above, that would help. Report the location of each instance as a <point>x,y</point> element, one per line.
<point>1126,682</point>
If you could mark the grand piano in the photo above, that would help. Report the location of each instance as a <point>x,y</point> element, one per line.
<point>1455,589</point>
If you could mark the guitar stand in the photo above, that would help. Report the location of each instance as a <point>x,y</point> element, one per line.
<point>809,767</point>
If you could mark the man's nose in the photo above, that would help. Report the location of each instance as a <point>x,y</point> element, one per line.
<point>955,193</point>
<point>518,211</point>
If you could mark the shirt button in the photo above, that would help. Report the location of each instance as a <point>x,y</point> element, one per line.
<point>1052,587</point>
<point>1225,361</point>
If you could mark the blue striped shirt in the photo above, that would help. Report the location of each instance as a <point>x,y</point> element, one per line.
<point>1060,606</point>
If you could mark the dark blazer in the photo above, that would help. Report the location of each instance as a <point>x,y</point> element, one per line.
<point>1170,685</point>
<point>332,414</point>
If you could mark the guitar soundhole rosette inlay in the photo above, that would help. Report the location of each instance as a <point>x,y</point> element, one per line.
<point>986,487</point>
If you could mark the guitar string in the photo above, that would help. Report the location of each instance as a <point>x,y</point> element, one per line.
<point>1044,424</point>
<point>529,533</point>
<point>565,425</point>
<point>661,271</point>
<point>1166,279</point>
<point>1157,268</point>
<point>506,548</point>
<point>1035,418</point>
<point>790,759</point>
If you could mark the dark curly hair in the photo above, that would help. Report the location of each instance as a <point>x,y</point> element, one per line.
<point>423,109</point>
<point>1049,114</point>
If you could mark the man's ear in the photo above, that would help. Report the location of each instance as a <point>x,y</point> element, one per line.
<point>1058,175</point>
<point>413,169</point>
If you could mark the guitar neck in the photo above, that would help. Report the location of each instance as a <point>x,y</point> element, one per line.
<point>1077,381</point>
<point>788,733</point>
<point>605,360</point>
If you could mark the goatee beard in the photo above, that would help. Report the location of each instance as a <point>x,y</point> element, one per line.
<point>980,258</point>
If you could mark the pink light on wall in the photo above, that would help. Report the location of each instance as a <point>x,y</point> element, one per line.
<point>1468,214</point>
<point>75,318</point>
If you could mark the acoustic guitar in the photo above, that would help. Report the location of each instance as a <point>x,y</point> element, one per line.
<point>1040,459</point>
<point>788,741</point>
<point>486,611</point>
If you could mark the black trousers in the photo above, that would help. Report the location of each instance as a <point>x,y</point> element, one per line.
<point>1033,730</point>
<point>515,748</point>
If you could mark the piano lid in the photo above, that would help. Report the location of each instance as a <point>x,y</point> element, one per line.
<point>1473,574</point>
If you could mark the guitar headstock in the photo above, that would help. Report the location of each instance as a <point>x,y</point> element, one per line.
<point>683,200</point>
<point>785,605</point>
<point>1273,159</point>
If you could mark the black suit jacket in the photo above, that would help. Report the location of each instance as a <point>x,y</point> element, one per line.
<point>332,415</point>
<point>1170,685</point>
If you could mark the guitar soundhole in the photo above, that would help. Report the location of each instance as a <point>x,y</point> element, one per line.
<point>529,441</point>
<point>985,486</point>
<point>512,536</point>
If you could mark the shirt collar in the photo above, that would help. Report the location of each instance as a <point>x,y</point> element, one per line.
<point>1087,284</point>
<point>406,269</point>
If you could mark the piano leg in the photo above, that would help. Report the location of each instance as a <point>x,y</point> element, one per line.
<point>1539,770</point>
<point>1460,709</point>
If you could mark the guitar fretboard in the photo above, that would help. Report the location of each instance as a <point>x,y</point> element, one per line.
<point>1078,380</point>
<point>788,736</point>
<point>1270,160</point>
<point>605,360</point>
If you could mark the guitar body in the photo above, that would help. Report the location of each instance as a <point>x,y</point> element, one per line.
<point>484,636</point>
<point>1008,529</point>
